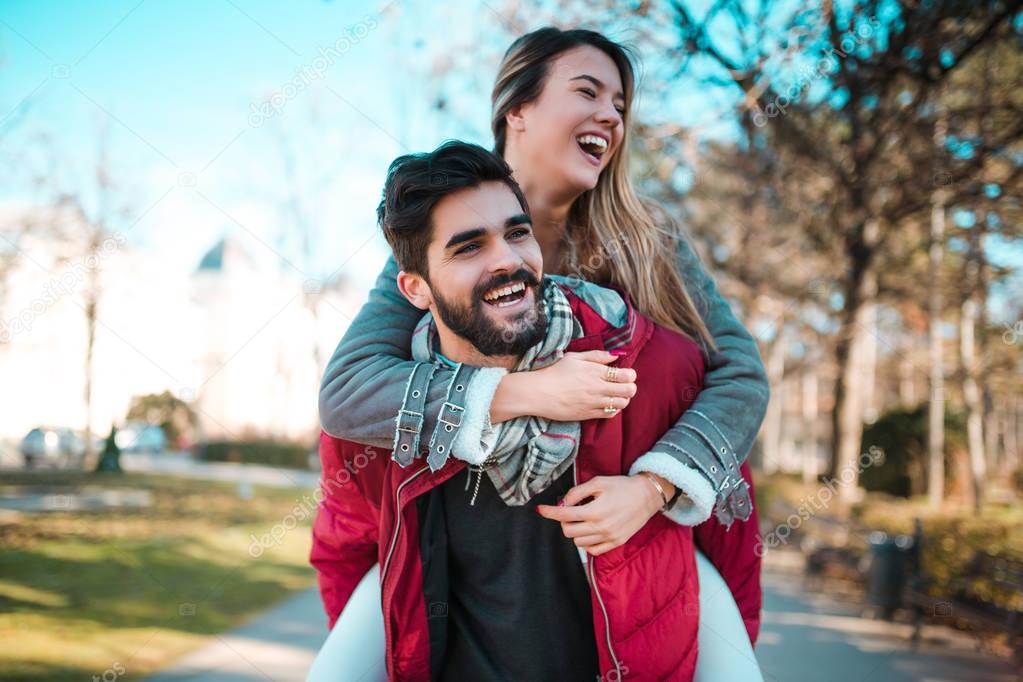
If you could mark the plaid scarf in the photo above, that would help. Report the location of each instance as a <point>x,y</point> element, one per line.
<point>530,453</point>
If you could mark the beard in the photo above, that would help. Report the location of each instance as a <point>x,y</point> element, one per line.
<point>473,323</point>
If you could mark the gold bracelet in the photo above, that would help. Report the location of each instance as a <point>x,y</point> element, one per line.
<point>648,476</point>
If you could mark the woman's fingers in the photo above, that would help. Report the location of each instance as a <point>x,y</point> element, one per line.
<point>588,540</point>
<point>581,529</point>
<point>608,407</point>
<point>620,375</point>
<point>617,390</point>
<point>563,514</point>
<point>600,356</point>
<point>597,550</point>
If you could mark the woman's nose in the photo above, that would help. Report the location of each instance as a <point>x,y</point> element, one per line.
<point>608,114</point>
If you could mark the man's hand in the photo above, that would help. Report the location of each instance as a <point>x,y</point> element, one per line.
<point>621,505</point>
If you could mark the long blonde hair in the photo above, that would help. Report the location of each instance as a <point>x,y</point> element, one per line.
<point>614,238</point>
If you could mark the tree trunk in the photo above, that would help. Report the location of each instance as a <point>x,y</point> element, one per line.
<point>969,316</point>
<point>90,342</point>
<point>1012,436</point>
<point>974,406</point>
<point>936,405</point>
<point>809,399</point>
<point>852,357</point>
<point>776,406</point>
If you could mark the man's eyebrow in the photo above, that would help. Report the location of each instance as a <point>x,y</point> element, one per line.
<point>464,236</point>
<point>520,219</point>
<point>469,235</point>
<point>596,81</point>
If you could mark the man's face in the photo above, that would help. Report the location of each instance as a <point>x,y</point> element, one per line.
<point>485,270</point>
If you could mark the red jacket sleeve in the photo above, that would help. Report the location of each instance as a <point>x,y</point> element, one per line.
<point>736,552</point>
<point>345,531</point>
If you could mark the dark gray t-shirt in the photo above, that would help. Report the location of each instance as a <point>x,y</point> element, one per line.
<point>519,602</point>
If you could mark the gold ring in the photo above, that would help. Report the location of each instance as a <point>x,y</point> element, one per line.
<point>612,372</point>
<point>611,409</point>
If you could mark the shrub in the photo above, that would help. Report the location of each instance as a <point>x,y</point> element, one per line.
<point>268,452</point>
<point>902,435</point>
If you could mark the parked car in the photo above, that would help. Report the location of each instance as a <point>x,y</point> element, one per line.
<point>54,447</point>
<point>140,436</point>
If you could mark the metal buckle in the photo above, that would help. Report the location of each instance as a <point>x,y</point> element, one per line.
<point>417,421</point>
<point>455,409</point>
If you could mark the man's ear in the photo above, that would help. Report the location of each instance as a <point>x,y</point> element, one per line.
<point>415,289</point>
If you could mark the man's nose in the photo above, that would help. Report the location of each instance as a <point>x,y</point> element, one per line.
<point>505,258</point>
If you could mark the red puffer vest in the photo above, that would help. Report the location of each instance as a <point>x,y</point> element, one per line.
<point>644,594</point>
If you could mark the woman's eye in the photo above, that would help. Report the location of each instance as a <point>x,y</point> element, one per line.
<point>588,92</point>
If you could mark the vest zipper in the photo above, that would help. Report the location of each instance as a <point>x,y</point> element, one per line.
<point>397,523</point>
<point>593,582</point>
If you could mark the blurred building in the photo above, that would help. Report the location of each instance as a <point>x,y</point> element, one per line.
<point>242,339</point>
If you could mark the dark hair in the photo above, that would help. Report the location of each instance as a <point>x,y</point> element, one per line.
<point>526,64</point>
<point>417,182</point>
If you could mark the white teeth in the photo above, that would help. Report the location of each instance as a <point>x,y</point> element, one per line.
<point>504,291</point>
<point>593,139</point>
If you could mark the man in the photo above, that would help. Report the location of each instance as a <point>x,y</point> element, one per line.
<point>475,584</point>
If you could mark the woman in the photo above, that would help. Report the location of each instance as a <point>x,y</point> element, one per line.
<point>561,104</point>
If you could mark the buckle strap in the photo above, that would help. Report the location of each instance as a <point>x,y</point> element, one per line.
<point>726,479</point>
<point>409,422</point>
<point>450,417</point>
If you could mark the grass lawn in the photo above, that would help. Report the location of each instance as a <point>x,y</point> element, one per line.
<point>124,592</point>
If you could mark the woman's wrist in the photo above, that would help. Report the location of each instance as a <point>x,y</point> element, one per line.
<point>508,402</point>
<point>663,492</point>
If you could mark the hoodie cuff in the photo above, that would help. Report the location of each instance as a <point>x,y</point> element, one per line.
<point>700,503</point>
<point>476,436</point>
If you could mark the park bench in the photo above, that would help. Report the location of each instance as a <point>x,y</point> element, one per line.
<point>962,603</point>
<point>833,549</point>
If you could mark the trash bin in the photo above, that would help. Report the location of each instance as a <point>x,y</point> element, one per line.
<point>889,560</point>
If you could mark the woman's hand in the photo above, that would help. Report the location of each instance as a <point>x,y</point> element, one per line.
<point>621,505</point>
<point>575,388</point>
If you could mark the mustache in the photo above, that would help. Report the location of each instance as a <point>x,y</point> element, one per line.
<point>520,275</point>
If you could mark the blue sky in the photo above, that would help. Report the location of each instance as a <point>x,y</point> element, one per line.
<point>178,84</point>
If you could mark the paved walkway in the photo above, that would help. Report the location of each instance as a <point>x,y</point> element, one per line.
<point>805,637</point>
<point>814,637</point>
<point>181,464</point>
<point>280,645</point>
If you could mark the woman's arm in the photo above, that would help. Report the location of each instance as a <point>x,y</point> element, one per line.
<point>715,434</point>
<point>373,393</point>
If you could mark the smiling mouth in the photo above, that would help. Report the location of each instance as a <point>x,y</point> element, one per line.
<point>504,296</point>
<point>592,145</point>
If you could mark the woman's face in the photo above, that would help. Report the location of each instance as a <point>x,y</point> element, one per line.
<point>569,134</point>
